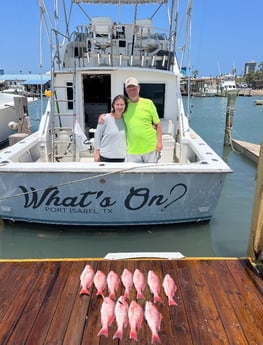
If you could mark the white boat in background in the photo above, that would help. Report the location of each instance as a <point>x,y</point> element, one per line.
<point>7,115</point>
<point>51,177</point>
<point>228,84</point>
<point>14,117</point>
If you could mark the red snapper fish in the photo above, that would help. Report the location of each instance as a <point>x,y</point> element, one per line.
<point>121,316</point>
<point>154,285</point>
<point>153,318</point>
<point>139,283</point>
<point>113,282</point>
<point>86,280</point>
<point>107,316</point>
<point>135,315</point>
<point>100,282</point>
<point>170,288</point>
<point>127,281</point>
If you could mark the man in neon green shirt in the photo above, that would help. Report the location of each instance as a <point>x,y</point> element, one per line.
<point>144,131</point>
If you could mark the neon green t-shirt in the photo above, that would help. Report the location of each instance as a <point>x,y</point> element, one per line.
<point>139,118</point>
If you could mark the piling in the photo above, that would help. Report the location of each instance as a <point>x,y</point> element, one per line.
<point>230,110</point>
<point>255,244</point>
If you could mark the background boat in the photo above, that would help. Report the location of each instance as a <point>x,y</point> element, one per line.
<point>7,114</point>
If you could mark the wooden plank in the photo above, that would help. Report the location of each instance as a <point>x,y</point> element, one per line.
<point>247,302</point>
<point>79,313</point>
<point>177,314</point>
<point>222,294</point>
<point>58,273</point>
<point>219,302</point>
<point>192,304</point>
<point>68,294</point>
<point>20,291</point>
<point>210,312</point>
<point>248,149</point>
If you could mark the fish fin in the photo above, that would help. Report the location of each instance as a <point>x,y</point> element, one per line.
<point>111,320</point>
<point>140,323</point>
<point>171,301</point>
<point>157,298</point>
<point>99,293</point>
<point>156,338</point>
<point>84,291</point>
<point>127,294</point>
<point>112,295</point>
<point>104,331</point>
<point>140,295</point>
<point>133,334</point>
<point>118,334</point>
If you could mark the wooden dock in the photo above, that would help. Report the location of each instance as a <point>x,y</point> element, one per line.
<point>220,301</point>
<point>248,149</point>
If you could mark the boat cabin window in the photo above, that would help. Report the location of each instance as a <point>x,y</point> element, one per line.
<point>155,92</point>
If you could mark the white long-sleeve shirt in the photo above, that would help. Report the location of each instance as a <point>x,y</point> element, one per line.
<point>110,138</point>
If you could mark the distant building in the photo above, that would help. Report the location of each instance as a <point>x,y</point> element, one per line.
<point>250,67</point>
<point>24,83</point>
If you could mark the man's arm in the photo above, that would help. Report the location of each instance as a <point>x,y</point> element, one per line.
<point>159,133</point>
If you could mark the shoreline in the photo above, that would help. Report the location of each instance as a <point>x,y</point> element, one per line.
<point>250,92</point>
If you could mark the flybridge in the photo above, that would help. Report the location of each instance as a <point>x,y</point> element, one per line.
<point>110,41</point>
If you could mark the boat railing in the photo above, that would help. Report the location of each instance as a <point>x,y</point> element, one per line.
<point>103,43</point>
<point>99,59</point>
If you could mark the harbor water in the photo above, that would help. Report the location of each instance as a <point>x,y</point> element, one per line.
<point>226,235</point>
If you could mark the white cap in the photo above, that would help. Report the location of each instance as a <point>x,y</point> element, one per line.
<point>131,81</point>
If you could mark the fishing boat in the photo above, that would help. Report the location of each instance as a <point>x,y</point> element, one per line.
<point>228,84</point>
<point>7,115</point>
<point>14,117</point>
<point>51,176</point>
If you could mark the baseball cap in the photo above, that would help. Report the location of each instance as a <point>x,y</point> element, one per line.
<point>131,81</point>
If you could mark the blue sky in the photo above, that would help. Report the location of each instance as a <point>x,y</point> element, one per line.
<point>225,34</point>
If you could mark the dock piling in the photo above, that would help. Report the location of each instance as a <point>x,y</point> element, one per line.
<point>230,110</point>
<point>256,228</point>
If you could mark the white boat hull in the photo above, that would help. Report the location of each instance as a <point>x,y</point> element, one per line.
<point>120,196</point>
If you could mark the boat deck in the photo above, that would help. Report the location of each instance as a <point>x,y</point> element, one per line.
<point>220,301</point>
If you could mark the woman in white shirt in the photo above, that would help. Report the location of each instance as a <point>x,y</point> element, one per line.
<point>110,136</point>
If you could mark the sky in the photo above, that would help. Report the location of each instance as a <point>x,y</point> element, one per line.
<point>225,35</point>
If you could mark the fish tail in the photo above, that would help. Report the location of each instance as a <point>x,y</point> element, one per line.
<point>99,293</point>
<point>155,338</point>
<point>112,295</point>
<point>118,334</point>
<point>84,291</point>
<point>104,331</point>
<point>157,298</point>
<point>140,295</point>
<point>127,294</point>
<point>171,301</point>
<point>133,334</point>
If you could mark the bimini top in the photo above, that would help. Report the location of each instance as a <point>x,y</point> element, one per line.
<point>121,2</point>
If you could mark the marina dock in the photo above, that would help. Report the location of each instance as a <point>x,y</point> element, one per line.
<point>250,150</point>
<point>220,301</point>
